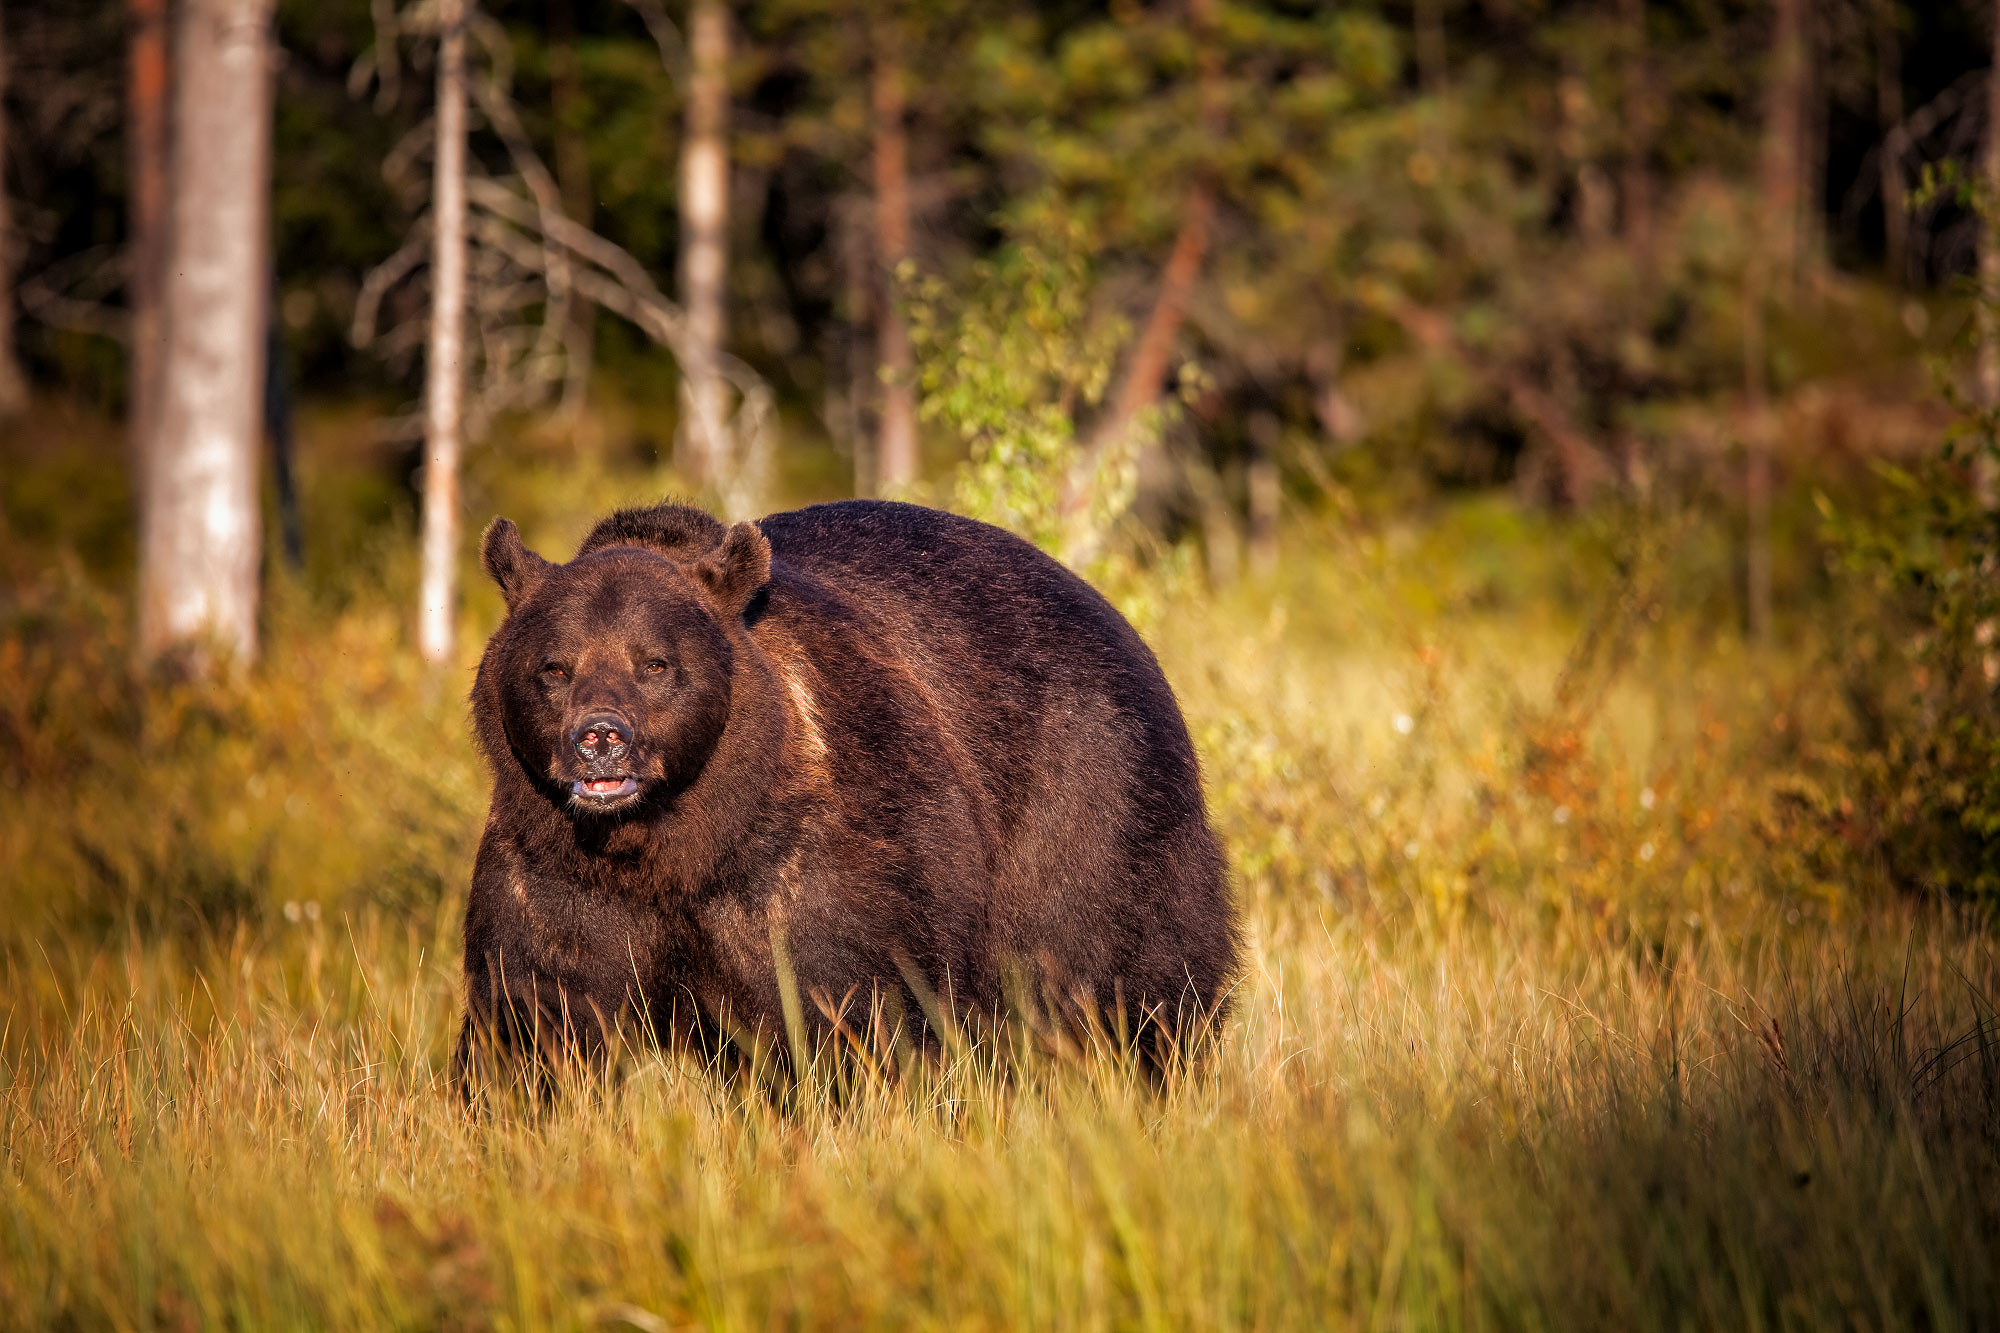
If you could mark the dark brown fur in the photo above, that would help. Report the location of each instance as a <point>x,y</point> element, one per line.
<point>907,750</point>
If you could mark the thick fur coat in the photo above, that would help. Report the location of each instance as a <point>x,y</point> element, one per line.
<point>901,759</point>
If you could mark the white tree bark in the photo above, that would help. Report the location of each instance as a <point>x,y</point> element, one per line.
<point>710,452</point>
<point>13,387</point>
<point>200,530</point>
<point>896,452</point>
<point>444,377</point>
<point>573,181</point>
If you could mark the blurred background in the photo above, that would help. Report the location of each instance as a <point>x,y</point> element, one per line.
<point>1550,445</point>
<point>1572,252</point>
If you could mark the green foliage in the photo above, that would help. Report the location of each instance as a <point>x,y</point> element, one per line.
<point>1008,365</point>
<point>1921,668</point>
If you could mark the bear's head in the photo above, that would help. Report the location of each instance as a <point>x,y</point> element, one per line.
<point>611,674</point>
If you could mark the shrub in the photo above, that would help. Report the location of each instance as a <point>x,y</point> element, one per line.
<point>1920,778</point>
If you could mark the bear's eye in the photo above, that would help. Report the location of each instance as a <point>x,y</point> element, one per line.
<point>555,671</point>
<point>655,667</point>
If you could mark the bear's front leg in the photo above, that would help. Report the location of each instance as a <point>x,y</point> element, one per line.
<point>525,1028</point>
<point>534,1004</point>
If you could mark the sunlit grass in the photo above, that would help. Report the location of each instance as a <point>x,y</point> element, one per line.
<point>1546,1020</point>
<point>1491,1125</point>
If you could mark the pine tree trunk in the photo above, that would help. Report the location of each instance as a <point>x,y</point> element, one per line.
<point>573,180</point>
<point>200,528</point>
<point>1140,387</point>
<point>148,143</point>
<point>896,449</point>
<point>1889,110</point>
<point>1428,20</point>
<point>857,252</point>
<point>13,385</point>
<point>1757,458</point>
<point>1781,160</point>
<point>1428,39</point>
<point>1573,139</point>
<point>1813,148</point>
<point>1262,482</point>
<point>1989,237</point>
<point>709,452</point>
<point>1636,174</point>
<point>444,376</point>
<point>1772,270</point>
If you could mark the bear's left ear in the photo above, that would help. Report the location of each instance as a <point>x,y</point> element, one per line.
<point>734,571</point>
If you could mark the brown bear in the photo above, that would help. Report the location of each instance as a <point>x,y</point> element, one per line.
<point>857,760</point>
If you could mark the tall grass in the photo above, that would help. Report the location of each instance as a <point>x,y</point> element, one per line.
<point>1544,1021</point>
<point>1479,1126</point>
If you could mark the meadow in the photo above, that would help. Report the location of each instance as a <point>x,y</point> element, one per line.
<point>1557,1010</point>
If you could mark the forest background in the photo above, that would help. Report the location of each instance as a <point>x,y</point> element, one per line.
<point>1551,447</point>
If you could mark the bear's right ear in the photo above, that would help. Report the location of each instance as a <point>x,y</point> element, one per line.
<point>512,565</point>
<point>735,570</point>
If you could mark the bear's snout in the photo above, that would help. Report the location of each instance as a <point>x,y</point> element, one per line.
<point>601,737</point>
<point>603,742</point>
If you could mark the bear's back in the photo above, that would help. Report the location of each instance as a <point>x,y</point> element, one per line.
<point>1040,677</point>
<point>1040,681</point>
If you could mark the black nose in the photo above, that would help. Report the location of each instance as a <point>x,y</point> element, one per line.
<point>601,736</point>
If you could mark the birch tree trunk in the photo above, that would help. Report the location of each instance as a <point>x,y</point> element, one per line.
<point>710,455</point>
<point>896,451</point>
<point>1989,236</point>
<point>200,530</point>
<point>13,386</point>
<point>148,143</point>
<point>573,180</point>
<point>444,375</point>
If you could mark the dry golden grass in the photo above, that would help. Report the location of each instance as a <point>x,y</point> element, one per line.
<point>1545,1021</point>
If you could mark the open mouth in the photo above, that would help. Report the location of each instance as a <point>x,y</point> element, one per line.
<point>604,789</point>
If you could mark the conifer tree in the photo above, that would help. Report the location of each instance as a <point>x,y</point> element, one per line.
<point>13,387</point>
